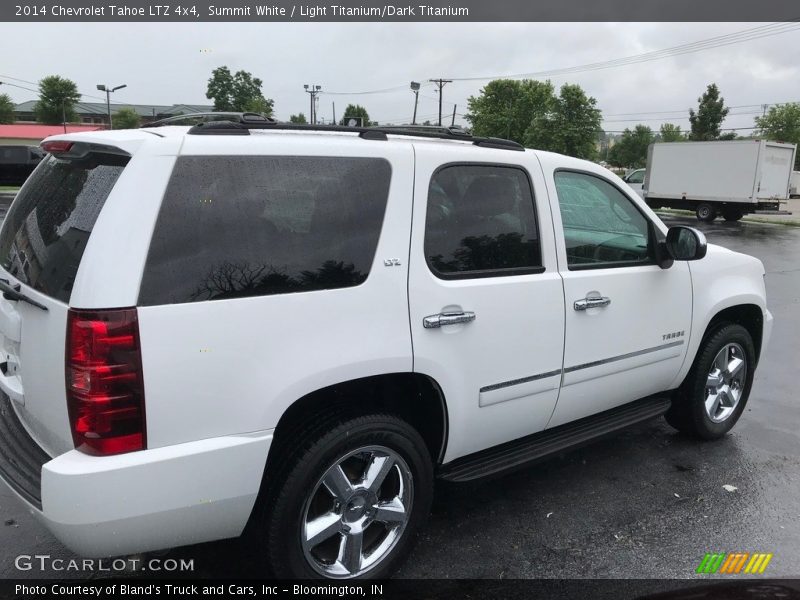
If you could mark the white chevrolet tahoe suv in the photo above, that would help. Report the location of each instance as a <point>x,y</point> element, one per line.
<point>286,333</point>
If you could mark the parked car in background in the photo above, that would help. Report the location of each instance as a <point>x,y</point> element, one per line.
<point>732,178</point>
<point>288,334</point>
<point>17,163</point>
<point>635,179</point>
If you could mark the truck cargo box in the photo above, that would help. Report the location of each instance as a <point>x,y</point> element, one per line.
<point>732,177</point>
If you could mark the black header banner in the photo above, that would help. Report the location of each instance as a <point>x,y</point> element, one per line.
<point>196,11</point>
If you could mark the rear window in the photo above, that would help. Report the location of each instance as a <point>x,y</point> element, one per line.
<point>50,221</point>
<point>235,226</point>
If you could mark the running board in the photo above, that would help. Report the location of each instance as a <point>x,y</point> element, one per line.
<point>538,446</point>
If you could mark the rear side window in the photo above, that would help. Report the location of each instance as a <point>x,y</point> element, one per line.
<point>50,221</point>
<point>480,222</point>
<point>237,226</point>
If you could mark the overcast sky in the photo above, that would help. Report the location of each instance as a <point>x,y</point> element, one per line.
<point>171,63</point>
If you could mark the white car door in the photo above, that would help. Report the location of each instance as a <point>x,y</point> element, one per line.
<point>486,299</point>
<point>627,319</point>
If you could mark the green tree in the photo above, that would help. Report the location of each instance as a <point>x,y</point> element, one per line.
<point>671,133</point>
<point>506,107</point>
<point>298,118</point>
<point>57,99</point>
<point>782,123</point>
<point>356,110</point>
<point>238,92</point>
<point>631,149</point>
<point>569,125</point>
<point>6,109</point>
<point>711,112</point>
<point>126,118</point>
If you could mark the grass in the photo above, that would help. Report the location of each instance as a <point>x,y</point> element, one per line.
<point>8,188</point>
<point>746,219</point>
<point>784,222</point>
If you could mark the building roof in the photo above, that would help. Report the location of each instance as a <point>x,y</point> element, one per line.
<point>39,132</point>
<point>143,110</point>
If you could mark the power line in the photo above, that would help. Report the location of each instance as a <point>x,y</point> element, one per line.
<point>395,88</point>
<point>697,46</point>
<point>37,91</point>
<point>686,110</point>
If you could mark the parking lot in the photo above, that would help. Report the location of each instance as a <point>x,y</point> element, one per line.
<point>647,503</point>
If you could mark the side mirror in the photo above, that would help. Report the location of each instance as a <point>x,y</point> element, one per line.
<point>686,243</point>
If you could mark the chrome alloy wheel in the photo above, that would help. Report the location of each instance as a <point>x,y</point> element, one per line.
<point>357,512</point>
<point>725,382</point>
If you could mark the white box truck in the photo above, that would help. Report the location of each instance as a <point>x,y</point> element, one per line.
<point>732,178</point>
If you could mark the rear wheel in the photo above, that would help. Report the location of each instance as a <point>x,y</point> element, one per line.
<point>732,214</point>
<point>349,501</point>
<point>715,391</point>
<point>706,212</point>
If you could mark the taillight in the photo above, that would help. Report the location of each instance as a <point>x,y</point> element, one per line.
<point>105,390</point>
<point>57,146</point>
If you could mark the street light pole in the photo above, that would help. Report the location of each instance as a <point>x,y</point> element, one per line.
<point>313,90</point>
<point>108,90</point>
<point>415,89</point>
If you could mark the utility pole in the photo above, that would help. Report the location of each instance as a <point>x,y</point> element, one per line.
<point>313,90</point>
<point>764,106</point>
<point>453,122</point>
<point>333,104</point>
<point>108,90</point>
<point>440,83</point>
<point>415,88</point>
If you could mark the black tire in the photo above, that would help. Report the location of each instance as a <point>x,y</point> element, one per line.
<point>279,518</point>
<point>706,212</point>
<point>688,412</point>
<point>732,214</point>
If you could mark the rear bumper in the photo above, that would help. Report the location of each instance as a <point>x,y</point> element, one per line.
<point>153,499</point>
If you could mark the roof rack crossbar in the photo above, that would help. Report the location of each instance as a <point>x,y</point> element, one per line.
<point>368,133</point>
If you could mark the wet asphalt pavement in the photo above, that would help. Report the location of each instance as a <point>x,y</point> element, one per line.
<point>647,503</point>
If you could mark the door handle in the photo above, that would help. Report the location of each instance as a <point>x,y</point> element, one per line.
<point>591,302</point>
<point>447,318</point>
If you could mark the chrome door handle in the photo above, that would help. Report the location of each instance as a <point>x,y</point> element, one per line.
<point>591,302</point>
<point>447,318</point>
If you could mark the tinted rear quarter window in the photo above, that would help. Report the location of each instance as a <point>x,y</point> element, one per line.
<point>238,226</point>
<point>50,221</point>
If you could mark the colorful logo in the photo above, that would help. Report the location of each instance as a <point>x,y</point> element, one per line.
<point>734,563</point>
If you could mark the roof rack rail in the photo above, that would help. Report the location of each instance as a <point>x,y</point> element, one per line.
<point>212,117</point>
<point>367,133</point>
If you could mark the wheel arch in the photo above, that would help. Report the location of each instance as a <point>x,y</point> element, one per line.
<point>749,316</point>
<point>416,398</point>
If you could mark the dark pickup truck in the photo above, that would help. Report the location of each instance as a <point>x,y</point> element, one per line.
<point>17,163</point>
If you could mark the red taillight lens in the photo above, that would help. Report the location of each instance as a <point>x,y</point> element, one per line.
<point>57,147</point>
<point>105,390</point>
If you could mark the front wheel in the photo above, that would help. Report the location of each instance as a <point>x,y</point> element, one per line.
<point>349,502</point>
<point>715,391</point>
